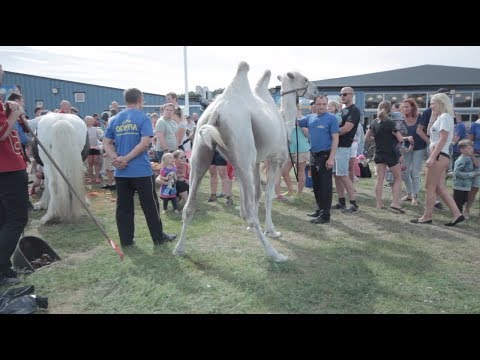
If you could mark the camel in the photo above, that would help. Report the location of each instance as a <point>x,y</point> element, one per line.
<point>65,138</point>
<point>247,128</point>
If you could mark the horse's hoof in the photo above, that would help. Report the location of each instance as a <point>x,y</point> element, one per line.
<point>273,234</point>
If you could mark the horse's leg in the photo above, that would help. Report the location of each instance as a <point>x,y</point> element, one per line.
<point>247,182</point>
<point>200,162</point>
<point>273,173</point>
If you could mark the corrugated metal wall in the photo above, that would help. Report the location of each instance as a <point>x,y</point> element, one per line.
<point>97,98</point>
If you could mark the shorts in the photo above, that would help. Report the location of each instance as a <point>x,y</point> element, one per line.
<point>218,160</point>
<point>94,152</point>
<point>182,186</point>
<point>107,163</point>
<point>389,159</point>
<point>302,157</point>
<point>342,160</point>
<point>354,148</point>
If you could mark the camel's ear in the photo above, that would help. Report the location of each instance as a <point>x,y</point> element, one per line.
<point>279,77</point>
<point>290,75</point>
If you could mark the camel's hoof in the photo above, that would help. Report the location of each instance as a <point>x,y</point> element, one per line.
<point>281,258</point>
<point>178,252</point>
<point>273,234</point>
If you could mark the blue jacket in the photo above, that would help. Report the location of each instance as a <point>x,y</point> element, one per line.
<point>463,173</point>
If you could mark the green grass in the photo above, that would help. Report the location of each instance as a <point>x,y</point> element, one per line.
<point>373,261</point>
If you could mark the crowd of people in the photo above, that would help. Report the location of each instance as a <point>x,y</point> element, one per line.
<point>329,139</point>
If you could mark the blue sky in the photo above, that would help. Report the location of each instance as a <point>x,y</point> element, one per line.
<point>160,69</point>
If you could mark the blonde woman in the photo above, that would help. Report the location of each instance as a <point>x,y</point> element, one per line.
<point>441,130</point>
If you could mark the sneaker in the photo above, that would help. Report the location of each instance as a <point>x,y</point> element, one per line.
<point>106,187</point>
<point>212,198</point>
<point>319,220</point>
<point>229,200</point>
<point>169,237</point>
<point>351,209</point>
<point>5,280</point>
<point>438,206</point>
<point>315,214</point>
<point>339,206</point>
<point>10,277</point>
<point>406,198</point>
<point>220,195</point>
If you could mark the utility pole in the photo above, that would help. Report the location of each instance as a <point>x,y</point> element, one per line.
<point>186,108</point>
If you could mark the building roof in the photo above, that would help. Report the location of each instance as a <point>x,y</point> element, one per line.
<point>423,75</point>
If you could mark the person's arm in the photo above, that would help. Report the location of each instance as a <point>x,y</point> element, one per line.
<point>108,148</point>
<point>368,135</point>
<point>140,148</point>
<point>16,112</point>
<point>346,128</point>
<point>161,140</point>
<point>180,134</point>
<point>421,133</point>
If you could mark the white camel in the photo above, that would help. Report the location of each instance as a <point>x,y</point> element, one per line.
<point>247,128</point>
<point>64,136</point>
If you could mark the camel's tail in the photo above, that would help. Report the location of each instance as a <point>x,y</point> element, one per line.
<point>210,135</point>
<point>65,153</point>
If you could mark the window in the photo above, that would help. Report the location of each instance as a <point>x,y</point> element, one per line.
<point>79,97</point>
<point>420,99</point>
<point>476,99</point>
<point>372,100</point>
<point>38,103</point>
<point>395,98</point>
<point>463,99</point>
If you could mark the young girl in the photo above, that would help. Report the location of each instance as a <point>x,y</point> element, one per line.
<point>95,136</point>
<point>183,172</point>
<point>167,179</point>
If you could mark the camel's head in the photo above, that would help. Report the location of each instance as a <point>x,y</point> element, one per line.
<point>296,82</point>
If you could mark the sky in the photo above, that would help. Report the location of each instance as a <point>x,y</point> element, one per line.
<point>160,69</point>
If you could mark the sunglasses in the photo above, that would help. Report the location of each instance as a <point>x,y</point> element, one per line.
<point>344,94</point>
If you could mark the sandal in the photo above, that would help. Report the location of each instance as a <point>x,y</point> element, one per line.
<point>406,198</point>
<point>414,201</point>
<point>400,210</point>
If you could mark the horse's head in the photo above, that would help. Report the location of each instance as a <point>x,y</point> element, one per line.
<point>294,82</point>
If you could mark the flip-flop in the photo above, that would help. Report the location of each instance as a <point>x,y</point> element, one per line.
<point>400,210</point>
<point>416,221</point>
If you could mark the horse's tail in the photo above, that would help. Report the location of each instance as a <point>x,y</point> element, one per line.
<point>65,152</point>
<point>210,135</point>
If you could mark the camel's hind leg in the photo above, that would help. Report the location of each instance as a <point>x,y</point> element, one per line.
<point>200,162</point>
<point>247,183</point>
<point>273,174</point>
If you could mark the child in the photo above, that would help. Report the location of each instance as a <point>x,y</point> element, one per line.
<point>167,179</point>
<point>183,172</point>
<point>463,173</point>
<point>95,136</point>
<point>39,176</point>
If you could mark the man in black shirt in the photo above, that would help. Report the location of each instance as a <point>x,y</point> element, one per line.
<point>348,127</point>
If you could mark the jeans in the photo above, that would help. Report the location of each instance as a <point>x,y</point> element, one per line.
<point>411,176</point>
<point>13,213</point>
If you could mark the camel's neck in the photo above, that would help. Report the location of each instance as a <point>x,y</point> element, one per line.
<point>288,107</point>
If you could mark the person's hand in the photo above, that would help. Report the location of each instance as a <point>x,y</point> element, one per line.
<point>329,163</point>
<point>429,162</point>
<point>120,162</point>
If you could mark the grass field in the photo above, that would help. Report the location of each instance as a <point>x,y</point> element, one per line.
<point>373,261</point>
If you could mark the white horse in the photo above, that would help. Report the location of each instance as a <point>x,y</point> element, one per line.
<point>64,136</point>
<point>247,128</point>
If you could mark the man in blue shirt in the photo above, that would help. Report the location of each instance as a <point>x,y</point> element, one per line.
<point>131,131</point>
<point>323,130</point>
<point>460,134</point>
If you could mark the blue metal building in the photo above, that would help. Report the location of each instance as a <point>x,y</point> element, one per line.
<point>87,98</point>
